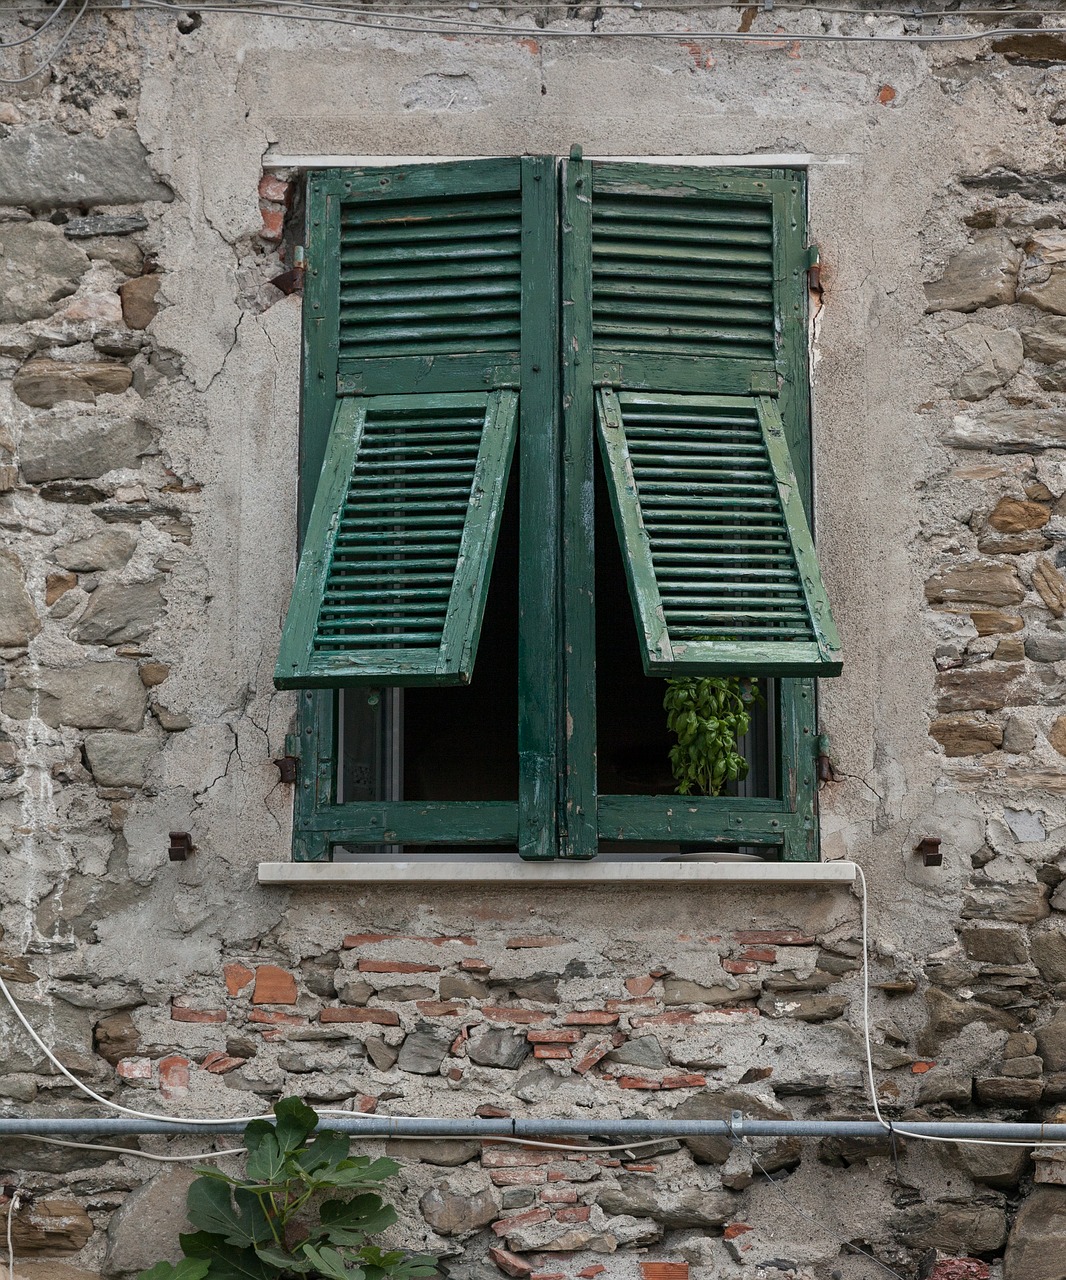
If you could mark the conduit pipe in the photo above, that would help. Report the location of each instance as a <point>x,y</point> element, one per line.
<point>533,1128</point>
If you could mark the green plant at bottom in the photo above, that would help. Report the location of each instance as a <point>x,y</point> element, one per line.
<point>709,715</point>
<point>274,1223</point>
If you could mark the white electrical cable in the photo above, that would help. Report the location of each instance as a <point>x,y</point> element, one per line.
<point>12,1209</point>
<point>36,32</point>
<point>62,43</point>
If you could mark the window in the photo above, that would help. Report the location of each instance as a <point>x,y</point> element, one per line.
<point>555,449</point>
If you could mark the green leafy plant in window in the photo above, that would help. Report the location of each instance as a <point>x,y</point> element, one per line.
<point>709,715</point>
<point>276,1223</point>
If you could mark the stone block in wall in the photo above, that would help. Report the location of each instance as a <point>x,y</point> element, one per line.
<point>1048,948</point>
<point>120,612</point>
<point>48,1226</point>
<point>1008,430</point>
<point>983,274</point>
<point>1051,1042</point>
<point>140,304</point>
<point>452,1212</point>
<point>995,356</point>
<point>976,583</point>
<point>1000,1167</point>
<point>957,1228</point>
<point>1013,515</point>
<point>962,736</point>
<point>109,549</point>
<point>1045,339</point>
<point>445,1152</point>
<point>499,1047</point>
<point>119,759</point>
<point>116,1037</point>
<point>92,695</point>
<point>1042,278</point>
<point>81,446</point>
<point>643,1196</point>
<point>948,1016</point>
<point>41,167</point>
<point>38,267</point>
<point>1035,1242</point>
<point>19,622</point>
<point>423,1050</point>
<point>145,1229</point>
<point>42,383</point>
<point>1011,904</point>
<point>720,1106</point>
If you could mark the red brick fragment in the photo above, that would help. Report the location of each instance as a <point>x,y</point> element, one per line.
<point>366,1103</point>
<point>395,966</point>
<point>761,955</point>
<point>439,1008</point>
<point>174,1077</point>
<point>237,977</point>
<point>559,1195</point>
<point>551,1051</point>
<point>886,94</point>
<point>773,937</point>
<point>637,1082</point>
<point>640,986</point>
<point>553,1035</point>
<point>273,223</point>
<point>535,940</point>
<point>497,1013</point>
<point>510,1263</point>
<point>736,1229</point>
<point>684,1081</point>
<point>475,966</point>
<point>488,1112</point>
<point>590,1018</point>
<point>609,1164</point>
<point>512,1157</point>
<point>575,1213</point>
<point>664,1270</point>
<point>383,1017</point>
<point>276,189</point>
<point>517,1177</point>
<point>672,1018</point>
<point>590,1273</point>
<point>365,939</point>
<point>273,985</point>
<point>548,1275</point>
<point>920,1068</point>
<point>593,1056</point>
<point>134,1068</point>
<point>740,966</point>
<point>221,1064</point>
<point>960,1269</point>
<point>180,1013</point>
<point>275,1018</point>
<point>641,1168</point>
<point>530,1219</point>
<point>455,1074</point>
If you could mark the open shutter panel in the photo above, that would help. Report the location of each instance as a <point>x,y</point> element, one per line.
<point>425,313</point>
<point>721,566</point>
<point>687,301</point>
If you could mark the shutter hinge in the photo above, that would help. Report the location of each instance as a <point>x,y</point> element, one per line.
<point>764,382</point>
<point>813,262</point>
<point>292,281</point>
<point>289,764</point>
<point>824,763</point>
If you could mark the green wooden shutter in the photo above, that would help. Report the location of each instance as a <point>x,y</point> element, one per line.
<point>696,364</point>
<point>417,298</point>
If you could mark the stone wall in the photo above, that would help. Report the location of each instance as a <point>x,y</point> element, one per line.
<point>148,445</point>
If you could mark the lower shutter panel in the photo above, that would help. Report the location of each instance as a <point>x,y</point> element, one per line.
<point>392,584</point>
<point>718,552</point>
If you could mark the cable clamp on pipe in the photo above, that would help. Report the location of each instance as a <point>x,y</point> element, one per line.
<point>736,1124</point>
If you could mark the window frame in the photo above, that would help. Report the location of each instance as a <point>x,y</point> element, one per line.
<point>557,795</point>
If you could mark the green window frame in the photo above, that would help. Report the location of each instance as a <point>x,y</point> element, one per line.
<point>649,319</point>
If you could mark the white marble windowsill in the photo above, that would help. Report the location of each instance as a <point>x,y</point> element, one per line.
<point>512,871</point>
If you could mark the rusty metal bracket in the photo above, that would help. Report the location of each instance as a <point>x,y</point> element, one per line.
<point>288,768</point>
<point>928,849</point>
<point>181,846</point>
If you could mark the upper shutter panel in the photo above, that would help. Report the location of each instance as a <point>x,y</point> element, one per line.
<point>719,557</point>
<point>414,309</point>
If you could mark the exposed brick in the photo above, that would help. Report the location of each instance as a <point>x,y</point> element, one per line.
<point>535,940</point>
<point>598,1050</point>
<point>275,189</point>
<point>179,1013</point>
<point>590,1273</point>
<point>640,986</point>
<point>920,1068</point>
<point>530,1219</point>
<point>740,966</point>
<point>576,1213</point>
<point>773,937</point>
<point>134,1068</point>
<point>395,966</point>
<point>273,985</point>
<point>273,223</point>
<point>220,1064</point>
<point>637,1082</point>
<point>366,1103</point>
<point>488,1112</point>
<point>559,1195</point>
<point>551,1051</point>
<point>641,1168</point>
<point>548,1275</point>
<point>736,1229</point>
<point>664,1270</point>
<point>455,1074</point>
<point>174,1076</point>
<point>684,1081</point>
<point>609,1164</point>
<point>590,1018</point>
<point>510,1263</point>
<point>553,1035</point>
<point>513,1157</point>
<point>440,1008</point>
<point>517,1177</point>
<point>496,1013</point>
<point>383,1017</point>
<point>366,939</point>
<point>761,955</point>
<point>237,977</point>
<point>673,1018</point>
<point>474,965</point>
<point>275,1018</point>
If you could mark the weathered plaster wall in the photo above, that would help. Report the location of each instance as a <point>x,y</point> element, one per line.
<point>148,440</point>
